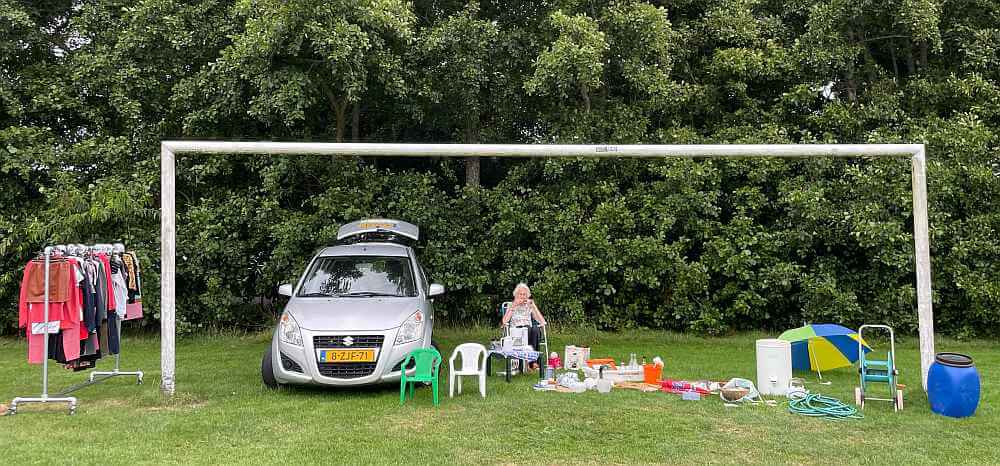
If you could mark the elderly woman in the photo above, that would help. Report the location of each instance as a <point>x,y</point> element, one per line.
<point>520,312</point>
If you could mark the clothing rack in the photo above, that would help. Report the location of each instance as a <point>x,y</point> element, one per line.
<point>44,398</point>
<point>95,376</point>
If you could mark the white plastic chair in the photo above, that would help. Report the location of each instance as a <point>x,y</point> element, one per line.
<point>473,363</point>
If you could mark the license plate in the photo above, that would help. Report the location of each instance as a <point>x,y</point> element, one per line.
<point>351,355</point>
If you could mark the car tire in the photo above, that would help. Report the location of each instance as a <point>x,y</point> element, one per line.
<point>267,370</point>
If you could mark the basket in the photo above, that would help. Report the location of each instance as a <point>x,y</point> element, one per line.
<point>733,393</point>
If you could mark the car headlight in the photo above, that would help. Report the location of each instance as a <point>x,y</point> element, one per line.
<point>288,329</point>
<point>412,328</point>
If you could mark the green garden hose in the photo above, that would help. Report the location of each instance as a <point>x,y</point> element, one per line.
<point>816,405</point>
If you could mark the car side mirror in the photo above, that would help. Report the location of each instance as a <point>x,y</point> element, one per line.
<point>285,290</point>
<point>436,290</point>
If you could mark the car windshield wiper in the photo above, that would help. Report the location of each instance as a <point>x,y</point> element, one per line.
<point>365,294</point>
<point>314,294</point>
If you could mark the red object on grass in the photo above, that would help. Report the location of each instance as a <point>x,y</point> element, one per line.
<point>682,386</point>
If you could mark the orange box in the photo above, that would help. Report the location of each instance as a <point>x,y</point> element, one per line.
<point>651,373</point>
<point>602,362</point>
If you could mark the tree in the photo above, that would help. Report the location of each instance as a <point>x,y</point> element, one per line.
<point>297,62</point>
<point>460,78</point>
<point>573,64</point>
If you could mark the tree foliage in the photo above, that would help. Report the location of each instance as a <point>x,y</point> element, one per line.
<point>88,89</point>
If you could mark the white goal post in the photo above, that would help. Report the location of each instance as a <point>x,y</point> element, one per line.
<point>169,150</point>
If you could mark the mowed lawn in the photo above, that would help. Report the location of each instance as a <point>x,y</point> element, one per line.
<point>222,414</point>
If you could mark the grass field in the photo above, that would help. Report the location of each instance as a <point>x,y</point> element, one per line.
<point>222,415</point>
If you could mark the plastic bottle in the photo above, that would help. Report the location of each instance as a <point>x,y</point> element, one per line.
<point>632,362</point>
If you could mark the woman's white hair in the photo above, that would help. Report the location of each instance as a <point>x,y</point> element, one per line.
<point>522,285</point>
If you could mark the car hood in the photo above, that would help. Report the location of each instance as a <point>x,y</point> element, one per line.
<point>349,314</point>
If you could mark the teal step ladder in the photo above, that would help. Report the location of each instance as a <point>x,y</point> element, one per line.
<point>878,371</point>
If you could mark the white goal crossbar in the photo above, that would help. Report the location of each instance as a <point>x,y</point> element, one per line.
<point>168,226</point>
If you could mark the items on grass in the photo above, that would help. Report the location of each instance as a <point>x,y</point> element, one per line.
<point>774,366</point>
<point>953,385</point>
<point>821,347</point>
<point>625,372</point>
<point>796,389</point>
<point>816,405</point>
<point>739,390</point>
<point>596,362</point>
<point>576,357</point>
<point>640,386</point>
<point>680,387</point>
<point>878,371</point>
<point>427,363</point>
<point>571,380</point>
<point>554,361</point>
<point>473,363</point>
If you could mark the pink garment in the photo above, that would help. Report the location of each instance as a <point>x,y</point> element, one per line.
<point>68,315</point>
<point>133,310</point>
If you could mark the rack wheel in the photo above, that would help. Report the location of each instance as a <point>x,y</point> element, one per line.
<point>858,397</point>
<point>138,380</point>
<point>72,410</point>
<point>899,400</point>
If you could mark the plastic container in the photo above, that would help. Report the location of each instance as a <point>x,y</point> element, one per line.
<point>603,385</point>
<point>595,373</point>
<point>774,366</point>
<point>953,385</point>
<point>651,373</point>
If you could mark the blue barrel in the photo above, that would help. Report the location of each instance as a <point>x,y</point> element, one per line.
<point>953,385</point>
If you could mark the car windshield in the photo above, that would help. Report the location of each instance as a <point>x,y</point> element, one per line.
<point>359,276</point>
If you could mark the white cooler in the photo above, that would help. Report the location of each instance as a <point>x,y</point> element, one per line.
<point>774,366</point>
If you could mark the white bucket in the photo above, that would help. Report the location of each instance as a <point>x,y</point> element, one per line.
<point>774,366</point>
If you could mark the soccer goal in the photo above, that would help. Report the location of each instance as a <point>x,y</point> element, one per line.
<point>169,150</point>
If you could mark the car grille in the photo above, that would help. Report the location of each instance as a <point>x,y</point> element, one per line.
<point>290,365</point>
<point>337,341</point>
<point>347,370</point>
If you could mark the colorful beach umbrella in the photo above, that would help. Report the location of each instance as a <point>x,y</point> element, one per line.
<point>821,347</point>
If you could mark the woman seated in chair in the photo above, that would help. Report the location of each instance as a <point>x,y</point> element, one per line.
<point>520,313</point>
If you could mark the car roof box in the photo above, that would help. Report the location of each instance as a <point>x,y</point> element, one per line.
<point>378,230</point>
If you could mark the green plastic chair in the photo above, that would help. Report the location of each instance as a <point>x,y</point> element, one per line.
<point>427,364</point>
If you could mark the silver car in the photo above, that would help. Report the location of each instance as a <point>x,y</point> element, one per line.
<point>356,312</point>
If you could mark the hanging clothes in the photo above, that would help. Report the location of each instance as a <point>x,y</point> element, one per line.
<point>33,286</point>
<point>119,285</point>
<point>88,297</point>
<point>106,263</point>
<point>133,310</point>
<point>64,317</point>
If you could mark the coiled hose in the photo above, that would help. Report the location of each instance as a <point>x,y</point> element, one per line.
<point>816,405</point>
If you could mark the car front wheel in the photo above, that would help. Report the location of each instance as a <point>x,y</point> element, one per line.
<point>267,370</point>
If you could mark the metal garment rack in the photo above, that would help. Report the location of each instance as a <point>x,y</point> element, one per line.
<point>44,398</point>
<point>95,376</point>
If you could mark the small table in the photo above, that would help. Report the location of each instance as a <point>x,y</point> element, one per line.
<point>515,354</point>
